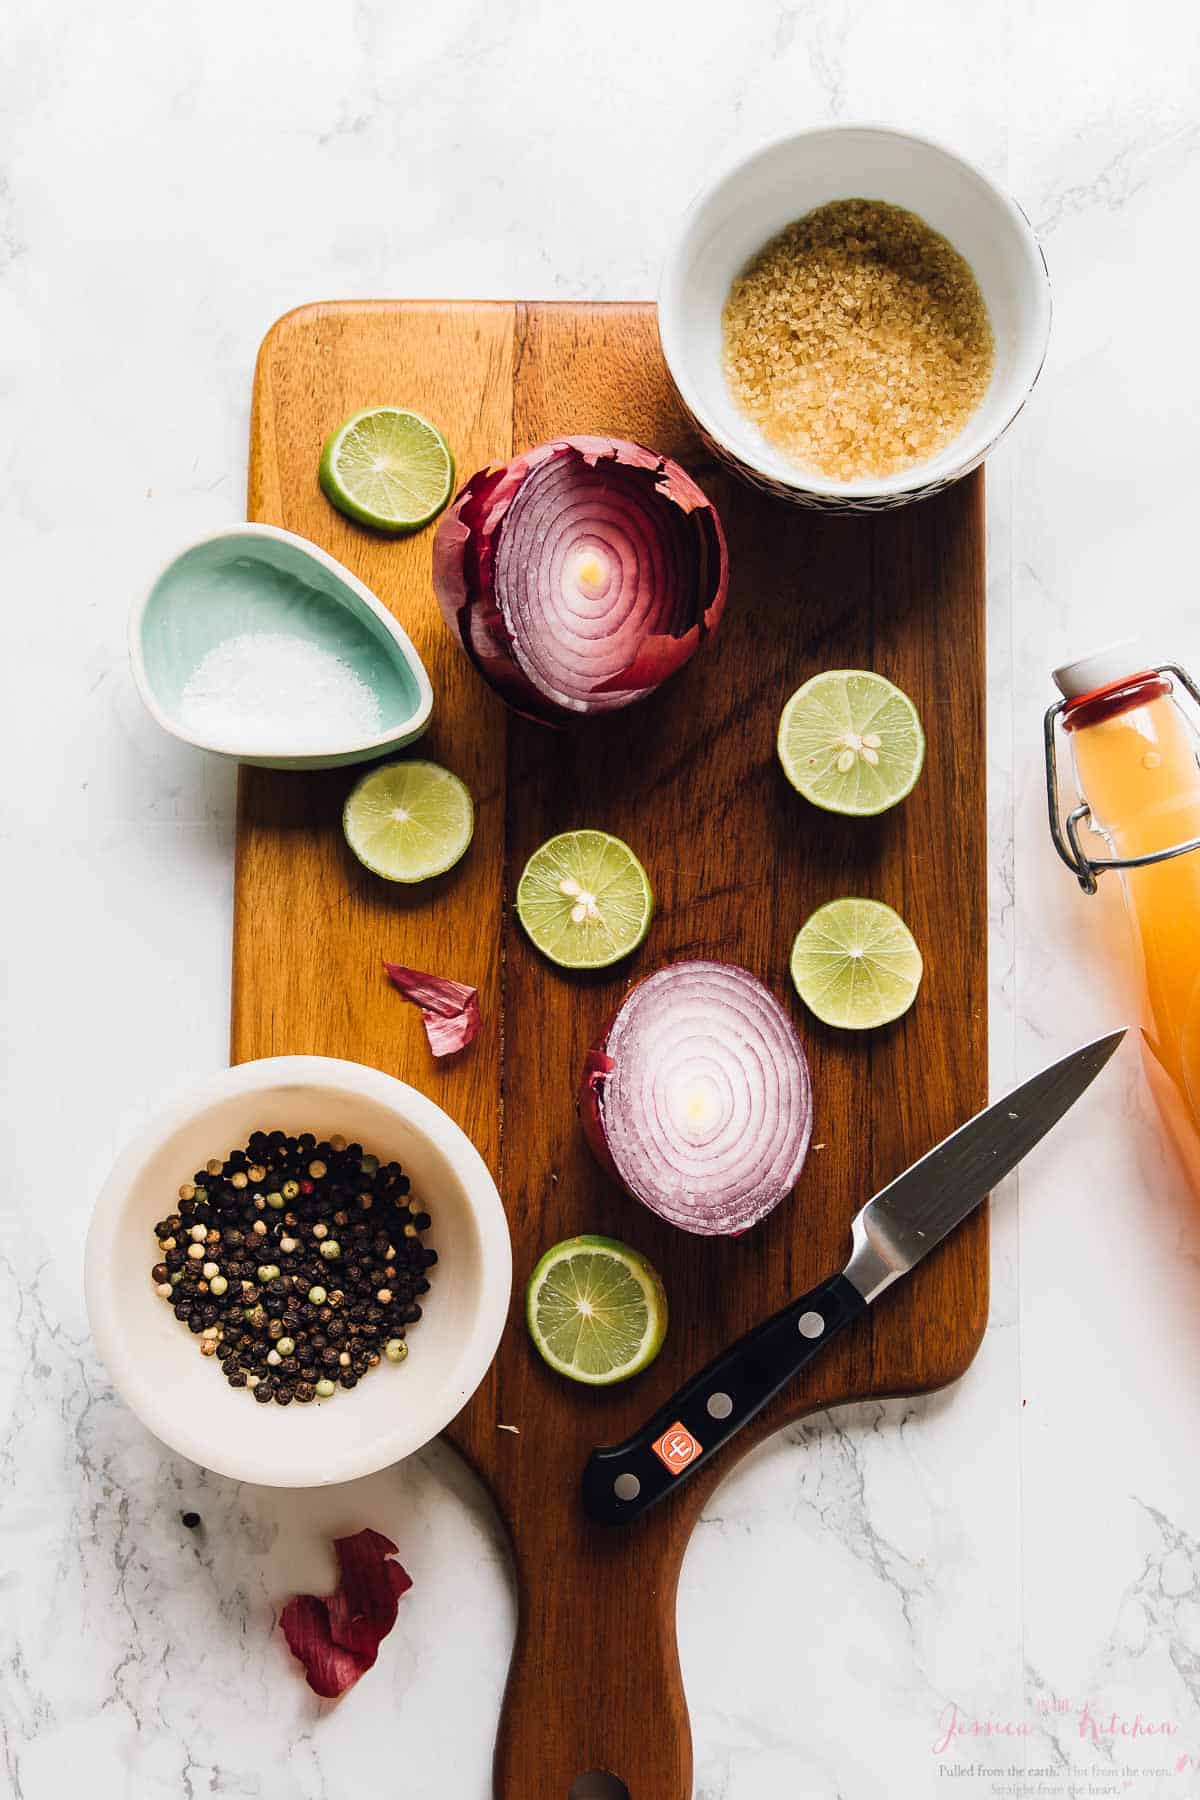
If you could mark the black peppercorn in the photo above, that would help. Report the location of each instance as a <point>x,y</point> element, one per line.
<point>328,1186</point>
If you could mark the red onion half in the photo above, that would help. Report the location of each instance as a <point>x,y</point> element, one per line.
<point>581,574</point>
<point>697,1098</point>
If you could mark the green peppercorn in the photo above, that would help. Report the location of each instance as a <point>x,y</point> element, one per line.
<point>316,1295</point>
<point>275,1202</point>
<point>325,1388</point>
<point>217,1285</point>
<point>267,1272</point>
<point>395,1350</point>
<point>290,1189</point>
<point>331,1249</point>
<point>286,1346</point>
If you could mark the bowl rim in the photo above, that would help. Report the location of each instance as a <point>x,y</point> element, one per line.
<point>911,481</point>
<point>263,1074</point>
<point>362,748</point>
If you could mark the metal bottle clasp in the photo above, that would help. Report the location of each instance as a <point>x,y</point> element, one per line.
<point>1065,832</point>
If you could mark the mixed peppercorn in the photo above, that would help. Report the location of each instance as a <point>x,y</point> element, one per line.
<point>298,1264</point>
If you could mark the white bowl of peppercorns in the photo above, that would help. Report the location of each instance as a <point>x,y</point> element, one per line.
<point>298,1274</point>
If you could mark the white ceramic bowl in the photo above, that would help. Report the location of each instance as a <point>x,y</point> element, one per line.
<point>155,1363</point>
<point>733,219</point>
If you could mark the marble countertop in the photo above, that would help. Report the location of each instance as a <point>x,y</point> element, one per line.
<point>1021,1552</point>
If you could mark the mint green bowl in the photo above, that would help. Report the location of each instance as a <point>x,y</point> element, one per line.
<point>259,578</point>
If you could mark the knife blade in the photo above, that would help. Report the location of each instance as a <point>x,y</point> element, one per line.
<point>890,1235</point>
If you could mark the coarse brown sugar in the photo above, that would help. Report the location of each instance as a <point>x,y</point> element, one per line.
<point>857,340</point>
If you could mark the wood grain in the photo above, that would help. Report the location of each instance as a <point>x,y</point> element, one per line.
<point>738,861</point>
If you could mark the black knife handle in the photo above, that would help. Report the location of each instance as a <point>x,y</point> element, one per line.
<point>621,1483</point>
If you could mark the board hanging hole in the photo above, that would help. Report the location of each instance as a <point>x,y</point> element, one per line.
<point>598,1784</point>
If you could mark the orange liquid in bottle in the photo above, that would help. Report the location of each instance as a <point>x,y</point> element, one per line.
<point>1136,759</point>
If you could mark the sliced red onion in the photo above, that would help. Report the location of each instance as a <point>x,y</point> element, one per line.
<point>449,1009</point>
<point>697,1098</point>
<point>581,574</point>
<point>337,1637</point>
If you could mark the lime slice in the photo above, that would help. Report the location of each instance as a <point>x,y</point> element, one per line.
<point>388,468</point>
<point>585,899</point>
<point>407,821</point>
<point>596,1310</point>
<point>855,963</point>
<point>851,742</point>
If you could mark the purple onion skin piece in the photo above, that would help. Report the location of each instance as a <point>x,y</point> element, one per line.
<point>696,1098</point>
<point>580,575</point>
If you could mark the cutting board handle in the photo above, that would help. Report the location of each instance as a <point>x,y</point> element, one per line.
<point>612,1710</point>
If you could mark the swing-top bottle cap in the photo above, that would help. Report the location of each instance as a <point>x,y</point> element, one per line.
<point>1099,670</point>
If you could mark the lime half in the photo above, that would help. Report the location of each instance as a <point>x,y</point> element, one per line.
<point>407,821</point>
<point>855,963</point>
<point>585,899</point>
<point>851,742</point>
<point>388,468</point>
<point>596,1310</point>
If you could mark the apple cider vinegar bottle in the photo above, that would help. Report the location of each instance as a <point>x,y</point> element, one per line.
<point>1136,754</point>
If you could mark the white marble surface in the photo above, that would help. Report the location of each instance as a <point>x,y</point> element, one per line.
<point>171,179</point>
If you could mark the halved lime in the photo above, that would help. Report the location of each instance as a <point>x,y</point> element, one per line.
<point>585,899</point>
<point>407,821</point>
<point>855,963</point>
<point>596,1310</point>
<point>389,468</point>
<point>851,741</point>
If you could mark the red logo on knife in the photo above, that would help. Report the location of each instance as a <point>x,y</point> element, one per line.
<point>676,1448</point>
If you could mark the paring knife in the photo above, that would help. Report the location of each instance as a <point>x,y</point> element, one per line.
<point>904,1222</point>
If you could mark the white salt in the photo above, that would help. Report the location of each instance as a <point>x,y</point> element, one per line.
<point>268,690</point>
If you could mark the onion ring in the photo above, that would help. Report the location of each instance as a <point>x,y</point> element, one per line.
<point>697,1098</point>
<point>580,575</point>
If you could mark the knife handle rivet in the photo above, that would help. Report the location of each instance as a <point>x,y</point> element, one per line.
<point>719,1406</point>
<point>811,1324</point>
<point>627,1486</point>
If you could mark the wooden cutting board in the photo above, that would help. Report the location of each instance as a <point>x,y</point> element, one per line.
<point>737,861</point>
